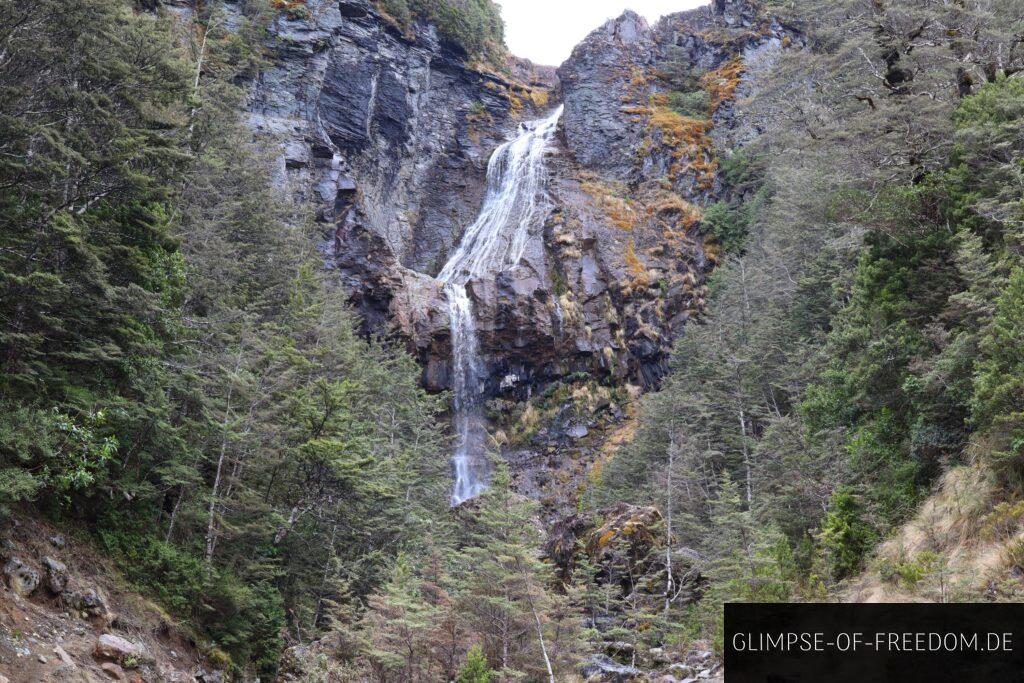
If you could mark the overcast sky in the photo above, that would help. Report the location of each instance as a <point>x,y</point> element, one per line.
<point>546,31</point>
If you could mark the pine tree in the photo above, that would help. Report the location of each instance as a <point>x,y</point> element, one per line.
<point>502,585</point>
<point>475,670</point>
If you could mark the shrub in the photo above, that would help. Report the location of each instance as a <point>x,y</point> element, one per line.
<point>399,11</point>
<point>727,224</point>
<point>845,535</point>
<point>476,669</point>
<point>475,25</point>
<point>244,620</point>
<point>695,104</point>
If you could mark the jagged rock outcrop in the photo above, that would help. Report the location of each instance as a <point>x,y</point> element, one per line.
<point>597,82</point>
<point>388,133</point>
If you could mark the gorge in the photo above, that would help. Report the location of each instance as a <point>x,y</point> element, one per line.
<point>339,345</point>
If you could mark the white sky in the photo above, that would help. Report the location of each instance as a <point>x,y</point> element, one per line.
<point>546,31</point>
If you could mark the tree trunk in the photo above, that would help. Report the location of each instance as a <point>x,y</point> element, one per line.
<point>669,583</point>
<point>536,619</point>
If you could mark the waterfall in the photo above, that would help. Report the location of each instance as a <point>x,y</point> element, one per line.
<point>494,242</point>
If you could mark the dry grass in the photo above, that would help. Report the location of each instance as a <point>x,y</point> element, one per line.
<point>722,82</point>
<point>638,277</point>
<point>670,203</point>
<point>691,144</point>
<point>977,537</point>
<point>612,199</point>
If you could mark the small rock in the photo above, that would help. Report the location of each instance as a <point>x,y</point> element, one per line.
<point>205,676</point>
<point>619,648</point>
<point>63,656</point>
<point>116,648</point>
<point>607,669</point>
<point>56,575</point>
<point>4,679</point>
<point>113,670</point>
<point>658,656</point>
<point>42,659</point>
<point>91,603</point>
<point>57,541</point>
<point>681,670</point>
<point>20,577</point>
<point>577,432</point>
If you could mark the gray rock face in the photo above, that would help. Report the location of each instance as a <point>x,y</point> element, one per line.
<point>597,84</point>
<point>389,134</point>
<point>359,108</point>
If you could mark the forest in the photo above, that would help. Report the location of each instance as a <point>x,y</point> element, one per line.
<point>185,389</point>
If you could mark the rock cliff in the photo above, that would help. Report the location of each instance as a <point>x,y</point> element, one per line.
<point>388,132</point>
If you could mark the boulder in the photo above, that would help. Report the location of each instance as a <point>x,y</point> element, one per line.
<point>620,649</point>
<point>115,648</point>
<point>56,575</point>
<point>113,670</point>
<point>604,668</point>
<point>91,603</point>
<point>204,676</point>
<point>624,541</point>
<point>22,578</point>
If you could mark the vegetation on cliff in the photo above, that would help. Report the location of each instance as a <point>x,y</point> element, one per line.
<point>174,373</point>
<point>475,25</point>
<point>180,382</point>
<point>859,337</point>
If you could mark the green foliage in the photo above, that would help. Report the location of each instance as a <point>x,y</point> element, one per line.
<point>860,334</point>
<point>474,25</point>
<point>845,535</point>
<point>168,341</point>
<point>727,224</point>
<point>476,669</point>
<point>695,104</point>
<point>730,221</point>
<point>244,620</point>
<point>998,401</point>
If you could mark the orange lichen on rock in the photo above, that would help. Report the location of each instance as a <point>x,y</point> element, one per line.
<point>705,167</point>
<point>721,83</point>
<point>636,111</point>
<point>638,78</point>
<point>689,138</point>
<point>627,530</point>
<point>712,250</point>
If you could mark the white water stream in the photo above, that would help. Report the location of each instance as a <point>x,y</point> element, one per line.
<point>496,241</point>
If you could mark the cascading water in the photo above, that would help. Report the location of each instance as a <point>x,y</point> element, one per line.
<point>495,241</point>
